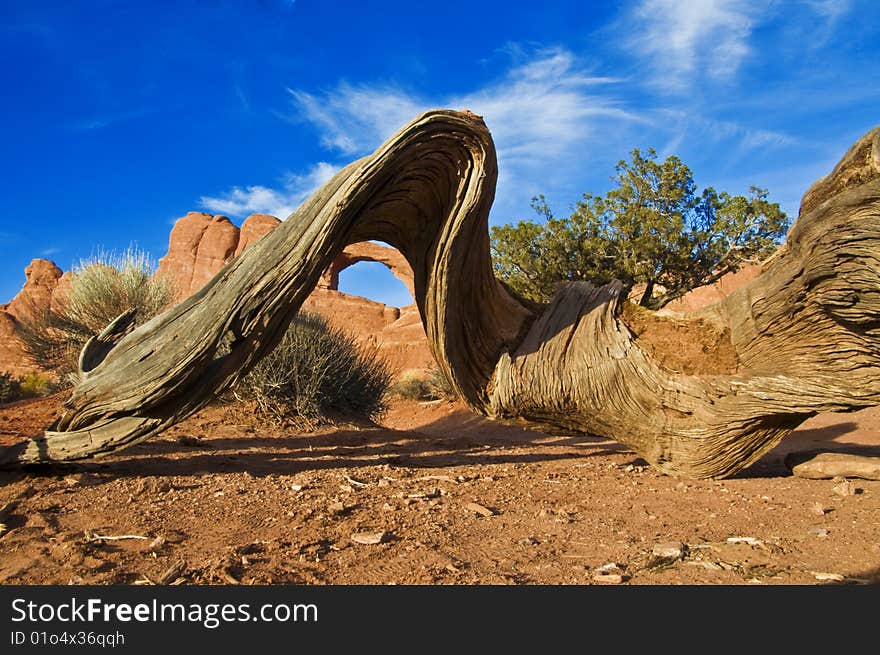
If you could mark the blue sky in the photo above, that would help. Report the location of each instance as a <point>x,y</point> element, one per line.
<point>122,116</point>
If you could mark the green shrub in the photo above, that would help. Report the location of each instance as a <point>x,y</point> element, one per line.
<point>101,288</point>
<point>33,385</point>
<point>414,384</point>
<point>316,371</point>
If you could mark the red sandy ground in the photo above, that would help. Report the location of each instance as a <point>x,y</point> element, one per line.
<point>236,501</point>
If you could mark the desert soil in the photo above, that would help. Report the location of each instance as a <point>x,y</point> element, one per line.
<point>437,496</point>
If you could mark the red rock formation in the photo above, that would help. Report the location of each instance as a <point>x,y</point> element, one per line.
<point>712,293</point>
<point>398,335</point>
<point>369,252</point>
<point>41,282</point>
<point>12,354</point>
<point>62,289</point>
<point>404,343</point>
<point>254,227</point>
<point>41,278</point>
<point>199,246</point>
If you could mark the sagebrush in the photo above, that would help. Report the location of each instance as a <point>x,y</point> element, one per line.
<point>317,371</point>
<point>415,384</point>
<point>35,384</point>
<point>101,288</point>
<point>440,386</point>
<point>411,385</point>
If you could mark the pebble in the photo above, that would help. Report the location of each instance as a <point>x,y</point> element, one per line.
<point>709,566</point>
<point>432,493</point>
<point>75,479</point>
<point>670,550</point>
<point>843,488</point>
<point>156,543</point>
<point>479,509</point>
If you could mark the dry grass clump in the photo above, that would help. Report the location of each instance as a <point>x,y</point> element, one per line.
<point>315,372</point>
<point>102,287</point>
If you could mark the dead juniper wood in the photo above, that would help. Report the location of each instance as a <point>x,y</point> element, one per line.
<point>800,339</point>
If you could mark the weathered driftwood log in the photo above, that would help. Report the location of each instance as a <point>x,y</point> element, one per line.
<point>803,336</point>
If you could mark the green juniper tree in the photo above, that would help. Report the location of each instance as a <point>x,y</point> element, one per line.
<point>652,229</point>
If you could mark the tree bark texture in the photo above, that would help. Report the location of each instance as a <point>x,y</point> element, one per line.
<point>806,333</point>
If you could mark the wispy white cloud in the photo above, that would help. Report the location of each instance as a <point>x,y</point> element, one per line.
<point>558,126</point>
<point>739,138</point>
<point>680,41</point>
<point>356,118</point>
<point>830,13</point>
<point>542,112</point>
<point>546,109</point>
<point>545,101</point>
<point>281,202</point>
<point>830,9</point>
<point>242,97</point>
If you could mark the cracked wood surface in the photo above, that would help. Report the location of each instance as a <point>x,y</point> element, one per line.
<point>805,333</point>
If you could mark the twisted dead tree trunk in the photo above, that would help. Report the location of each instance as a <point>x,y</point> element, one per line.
<point>803,336</point>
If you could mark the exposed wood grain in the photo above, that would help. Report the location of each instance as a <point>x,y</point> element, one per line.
<point>804,334</point>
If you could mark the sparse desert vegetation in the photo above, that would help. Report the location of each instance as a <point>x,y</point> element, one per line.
<point>317,371</point>
<point>101,288</point>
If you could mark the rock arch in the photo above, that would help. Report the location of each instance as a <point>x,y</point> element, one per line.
<point>368,252</point>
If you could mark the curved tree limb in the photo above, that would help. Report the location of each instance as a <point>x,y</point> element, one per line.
<point>805,333</point>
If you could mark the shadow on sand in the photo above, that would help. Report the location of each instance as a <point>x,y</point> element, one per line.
<point>447,442</point>
<point>458,439</point>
